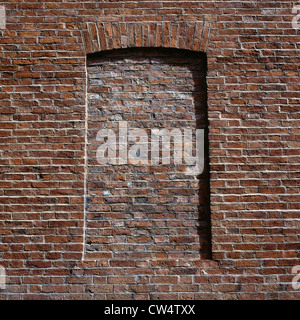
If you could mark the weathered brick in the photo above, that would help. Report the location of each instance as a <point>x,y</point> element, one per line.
<point>148,247</point>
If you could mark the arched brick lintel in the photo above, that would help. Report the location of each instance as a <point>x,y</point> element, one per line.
<point>116,35</point>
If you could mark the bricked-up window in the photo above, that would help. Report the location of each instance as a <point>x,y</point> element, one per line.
<point>145,210</point>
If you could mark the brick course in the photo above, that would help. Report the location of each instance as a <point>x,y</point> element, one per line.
<point>252,54</point>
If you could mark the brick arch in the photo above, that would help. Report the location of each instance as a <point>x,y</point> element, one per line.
<point>116,35</point>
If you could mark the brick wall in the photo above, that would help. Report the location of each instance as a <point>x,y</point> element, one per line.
<point>49,51</point>
<point>146,208</point>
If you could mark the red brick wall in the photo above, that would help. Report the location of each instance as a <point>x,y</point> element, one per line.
<point>252,53</point>
<point>146,208</point>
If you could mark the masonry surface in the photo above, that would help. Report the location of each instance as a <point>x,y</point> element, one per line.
<point>70,229</point>
<point>146,210</point>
